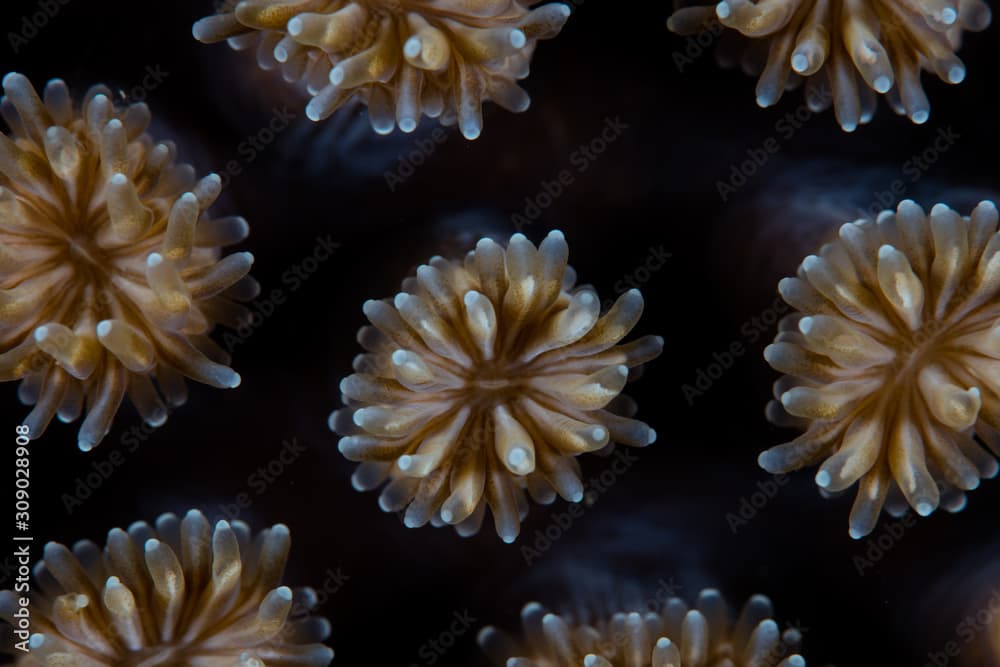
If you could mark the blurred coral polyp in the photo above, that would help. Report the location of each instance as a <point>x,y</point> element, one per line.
<point>847,51</point>
<point>111,273</point>
<point>178,593</point>
<point>893,361</point>
<point>483,380</point>
<point>676,636</point>
<point>403,58</point>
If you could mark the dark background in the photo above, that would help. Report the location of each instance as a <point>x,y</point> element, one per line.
<point>664,522</point>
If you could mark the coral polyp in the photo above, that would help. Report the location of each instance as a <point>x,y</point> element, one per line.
<point>893,361</point>
<point>848,51</point>
<point>676,636</point>
<point>402,58</point>
<point>484,379</point>
<point>110,269</point>
<point>179,593</point>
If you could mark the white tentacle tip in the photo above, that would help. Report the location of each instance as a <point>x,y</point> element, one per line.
<point>800,62</point>
<point>412,47</point>
<point>823,479</point>
<point>470,298</point>
<point>232,379</point>
<point>723,10</point>
<point>337,75</point>
<point>518,38</point>
<point>924,508</point>
<point>517,458</point>
<point>940,209</point>
<point>12,78</point>
<point>103,328</point>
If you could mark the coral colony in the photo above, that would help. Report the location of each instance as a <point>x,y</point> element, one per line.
<point>110,269</point>
<point>486,377</point>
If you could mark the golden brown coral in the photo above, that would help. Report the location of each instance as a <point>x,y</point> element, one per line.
<point>893,361</point>
<point>403,58</point>
<point>110,274</point>
<point>847,50</point>
<point>179,594</point>
<point>676,637</point>
<point>487,377</point>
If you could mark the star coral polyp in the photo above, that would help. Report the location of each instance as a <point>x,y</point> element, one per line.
<point>111,275</point>
<point>847,51</point>
<point>893,361</point>
<point>402,58</point>
<point>483,380</point>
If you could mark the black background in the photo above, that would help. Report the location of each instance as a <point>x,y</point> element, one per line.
<point>665,519</point>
